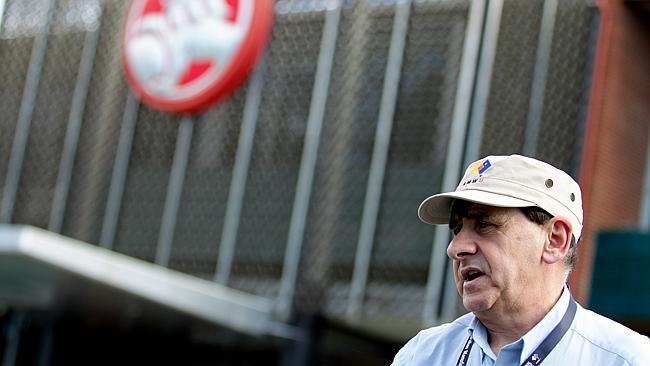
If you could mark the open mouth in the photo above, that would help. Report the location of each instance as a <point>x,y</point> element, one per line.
<point>471,275</point>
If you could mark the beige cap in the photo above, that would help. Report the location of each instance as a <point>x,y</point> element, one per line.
<point>511,181</point>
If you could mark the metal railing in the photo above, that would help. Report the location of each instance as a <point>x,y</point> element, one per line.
<point>303,186</point>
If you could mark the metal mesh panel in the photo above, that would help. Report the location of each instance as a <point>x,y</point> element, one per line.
<point>344,156</point>
<point>505,119</point>
<point>48,127</point>
<point>24,18</point>
<point>205,193</point>
<point>400,261</point>
<point>16,48</point>
<point>49,119</point>
<point>567,85</point>
<point>146,184</point>
<point>416,157</point>
<point>566,82</point>
<point>277,151</point>
<point>402,250</point>
<point>77,15</point>
<point>98,140</point>
<point>15,53</point>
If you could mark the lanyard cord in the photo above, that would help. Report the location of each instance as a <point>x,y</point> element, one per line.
<point>547,345</point>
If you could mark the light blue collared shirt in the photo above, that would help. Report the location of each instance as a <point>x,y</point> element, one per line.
<point>591,340</point>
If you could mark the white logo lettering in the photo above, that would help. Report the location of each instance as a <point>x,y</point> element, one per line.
<point>162,45</point>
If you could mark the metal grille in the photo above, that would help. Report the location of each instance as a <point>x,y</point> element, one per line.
<point>146,184</point>
<point>565,88</point>
<point>270,189</point>
<point>201,216</point>
<point>419,138</point>
<point>103,114</point>
<point>24,18</point>
<point>345,153</point>
<point>511,79</point>
<point>15,57</point>
<point>48,129</point>
<point>123,161</point>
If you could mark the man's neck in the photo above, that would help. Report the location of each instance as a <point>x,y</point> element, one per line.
<point>506,326</point>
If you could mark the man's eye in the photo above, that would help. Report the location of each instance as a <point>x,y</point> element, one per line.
<point>482,225</point>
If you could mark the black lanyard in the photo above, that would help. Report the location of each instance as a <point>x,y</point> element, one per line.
<point>547,345</point>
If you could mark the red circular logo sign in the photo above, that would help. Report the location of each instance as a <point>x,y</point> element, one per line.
<point>184,55</point>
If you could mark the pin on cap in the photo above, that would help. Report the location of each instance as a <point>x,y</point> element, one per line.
<point>511,181</point>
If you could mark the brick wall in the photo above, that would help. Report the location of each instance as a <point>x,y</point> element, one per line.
<point>613,164</point>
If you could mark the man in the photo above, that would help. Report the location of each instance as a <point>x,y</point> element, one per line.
<point>516,222</point>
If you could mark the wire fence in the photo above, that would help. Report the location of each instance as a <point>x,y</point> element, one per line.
<point>362,255</point>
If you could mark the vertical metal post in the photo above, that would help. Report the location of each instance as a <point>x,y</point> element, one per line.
<point>3,8</point>
<point>13,339</point>
<point>174,191</point>
<point>542,56</point>
<point>308,162</point>
<point>379,157</point>
<point>484,78</point>
<point>24,122</point>
<point>74,128</point>
<point>118,178</point>
<point>239,175</point>
<point>467,80</point>
<point>45,349</point>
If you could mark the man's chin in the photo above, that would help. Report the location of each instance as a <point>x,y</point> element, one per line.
<point>476,303</point>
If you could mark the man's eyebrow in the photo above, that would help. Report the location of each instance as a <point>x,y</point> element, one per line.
<point>476,214</point>
<point>481,214</point>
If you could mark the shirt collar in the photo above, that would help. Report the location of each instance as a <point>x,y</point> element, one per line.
<point>530,340</point>
<point>480,336</point>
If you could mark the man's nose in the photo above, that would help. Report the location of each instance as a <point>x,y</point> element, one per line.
<point>462,245</point>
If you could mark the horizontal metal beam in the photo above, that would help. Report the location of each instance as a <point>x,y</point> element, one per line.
<point>63,265</point>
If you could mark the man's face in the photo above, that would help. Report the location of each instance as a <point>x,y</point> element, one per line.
<point>497,256</point>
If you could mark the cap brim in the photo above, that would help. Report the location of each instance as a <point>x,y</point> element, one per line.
<point>437,208</point>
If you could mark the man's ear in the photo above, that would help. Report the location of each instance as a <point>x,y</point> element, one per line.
<point>558,240</point>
